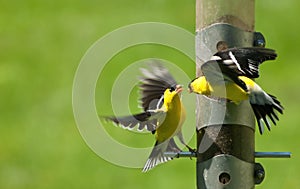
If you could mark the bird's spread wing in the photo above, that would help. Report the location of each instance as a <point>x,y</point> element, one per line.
<point>146,120</point>
<point>153,84</point>
<point>246,60</point>
<point>217,73</point>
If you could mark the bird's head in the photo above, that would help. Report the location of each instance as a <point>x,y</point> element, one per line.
<point>199,85</point>
<point>191,86</point>
<point>171,92</point>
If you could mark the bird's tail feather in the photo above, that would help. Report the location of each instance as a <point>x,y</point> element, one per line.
<point>266,109</point>
<point>157,155</point>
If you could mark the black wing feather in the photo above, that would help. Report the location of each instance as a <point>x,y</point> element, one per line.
<point>143,120</point>
<point>249,58</point>
<point>153,85</point>
<point>215,72</point>
<point>261,112</point>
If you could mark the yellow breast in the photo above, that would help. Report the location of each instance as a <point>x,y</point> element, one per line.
<point>226,89</point>
<point>172,122</point>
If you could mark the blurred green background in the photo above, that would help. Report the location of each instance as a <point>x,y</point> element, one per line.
<point>41,45</point>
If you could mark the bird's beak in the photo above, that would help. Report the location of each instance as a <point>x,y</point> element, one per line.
<point>190,90</point>
<point>178,89</point>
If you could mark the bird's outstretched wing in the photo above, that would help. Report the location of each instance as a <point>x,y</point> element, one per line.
<point>217,73</point>
<point>153,85</point>
<point>246,60</point>
<point>146,120</point>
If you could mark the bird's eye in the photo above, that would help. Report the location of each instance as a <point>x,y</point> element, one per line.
<point>172,89</point>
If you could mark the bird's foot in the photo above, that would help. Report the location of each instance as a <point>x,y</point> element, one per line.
<point>193,151</point>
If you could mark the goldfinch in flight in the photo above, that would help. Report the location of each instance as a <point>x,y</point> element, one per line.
<point>228,75</point>
<point>163,113</point>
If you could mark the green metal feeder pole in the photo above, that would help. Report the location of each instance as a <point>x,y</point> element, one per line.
<point>225,131</point>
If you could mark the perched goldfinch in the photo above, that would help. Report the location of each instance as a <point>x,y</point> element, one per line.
<point>163,113</point>
<point>227,75</point>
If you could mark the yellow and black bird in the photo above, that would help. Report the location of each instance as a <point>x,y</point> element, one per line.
<point>229,75</point>
<point>163,113</point>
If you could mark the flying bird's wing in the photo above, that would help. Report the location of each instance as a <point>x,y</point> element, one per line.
<point>153,85</point>
<point>146,120</point>
<point>264,105</point>
<point>217,73</point>
<point>246,60</point>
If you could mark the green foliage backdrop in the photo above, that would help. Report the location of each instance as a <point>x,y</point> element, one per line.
<point>41,44</point>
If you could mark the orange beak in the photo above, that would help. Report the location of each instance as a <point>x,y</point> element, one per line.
<point>179,88</point>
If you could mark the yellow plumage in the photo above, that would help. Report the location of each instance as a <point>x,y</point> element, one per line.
<point>200,86</point>
<point>175,116</point>
<point>229,90</point>
<point>163,114</point>
<point>228,75</point>
<point>171,125</point>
